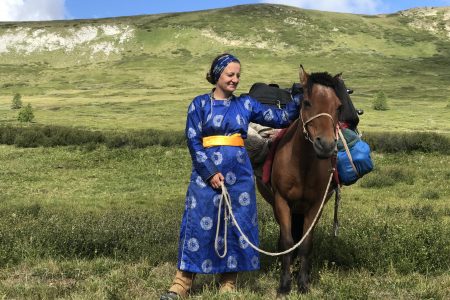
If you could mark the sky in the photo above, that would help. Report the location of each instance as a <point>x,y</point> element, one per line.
<point>38,10</point>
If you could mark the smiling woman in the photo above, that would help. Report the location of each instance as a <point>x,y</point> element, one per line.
<point>217,123</point>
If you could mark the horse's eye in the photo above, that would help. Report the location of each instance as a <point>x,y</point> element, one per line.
<point>306,104</point>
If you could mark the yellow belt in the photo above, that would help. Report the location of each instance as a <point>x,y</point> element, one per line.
<point>223,140</point>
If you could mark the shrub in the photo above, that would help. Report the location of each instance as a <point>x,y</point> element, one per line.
<point>380,101</point>
<point>29,139</point>
<point>34,230</point>
<point>26,114</point>
<point>16,102</point>
<point>388,176</point>
<point>423,212</point>
<point>430,194</point>
<point>52,136</point>
<point>420,244</point>
<point>391,142</point>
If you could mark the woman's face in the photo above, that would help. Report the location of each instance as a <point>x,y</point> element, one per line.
<point>229,79</point>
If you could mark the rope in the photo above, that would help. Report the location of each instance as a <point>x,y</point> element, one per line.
<point>347,150</point>
<point>226,201</point>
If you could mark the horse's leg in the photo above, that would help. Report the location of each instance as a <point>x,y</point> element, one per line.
<point>297,232</point>
<point>305,251</point>
<point>264,190</point>
<point>283,215</point>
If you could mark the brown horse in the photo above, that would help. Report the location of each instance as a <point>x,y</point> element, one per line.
<point>301,171</point>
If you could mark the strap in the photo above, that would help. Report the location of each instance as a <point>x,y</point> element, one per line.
<point>223,140</point>
<point>344,142</point>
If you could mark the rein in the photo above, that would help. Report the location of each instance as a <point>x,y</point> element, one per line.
<point>225,200</point>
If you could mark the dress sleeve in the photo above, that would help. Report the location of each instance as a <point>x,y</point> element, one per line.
<point>204,166</point>
<point>271,116</point>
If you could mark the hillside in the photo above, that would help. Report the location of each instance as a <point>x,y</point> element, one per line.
<point>111,73</point>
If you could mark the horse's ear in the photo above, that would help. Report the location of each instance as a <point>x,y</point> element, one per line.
<point>303,76</point>
<point>338,76</point>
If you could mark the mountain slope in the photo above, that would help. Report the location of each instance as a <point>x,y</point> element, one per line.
<point>155,58</point>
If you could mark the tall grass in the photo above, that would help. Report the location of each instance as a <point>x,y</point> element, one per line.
<point>104,223</point>
<point>52,136</point>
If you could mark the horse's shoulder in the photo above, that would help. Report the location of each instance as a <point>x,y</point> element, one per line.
<point>290,132</point>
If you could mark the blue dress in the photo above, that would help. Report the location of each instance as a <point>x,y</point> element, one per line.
<point>207,117</point>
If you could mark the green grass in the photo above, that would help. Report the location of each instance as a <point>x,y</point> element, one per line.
<point>81,224</point>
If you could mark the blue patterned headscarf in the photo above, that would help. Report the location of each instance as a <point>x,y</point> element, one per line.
<point>221,64</point>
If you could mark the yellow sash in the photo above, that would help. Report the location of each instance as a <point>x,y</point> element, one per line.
<point>223,140</point>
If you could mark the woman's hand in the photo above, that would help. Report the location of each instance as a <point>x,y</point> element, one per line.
<point>216,180</point>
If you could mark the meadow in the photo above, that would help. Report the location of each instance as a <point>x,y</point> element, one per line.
<point>103,223</point>
<point>93,189</point>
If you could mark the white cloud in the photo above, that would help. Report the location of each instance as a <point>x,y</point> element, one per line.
<point>348,6</point>
<point>31,10</point>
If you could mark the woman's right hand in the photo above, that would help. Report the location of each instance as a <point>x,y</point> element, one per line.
<point>216,180</point>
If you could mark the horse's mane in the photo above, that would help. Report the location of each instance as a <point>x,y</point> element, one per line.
<point>322,78</point>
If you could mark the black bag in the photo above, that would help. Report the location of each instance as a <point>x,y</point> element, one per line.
<point>347,113</point>
<point>270,94</point>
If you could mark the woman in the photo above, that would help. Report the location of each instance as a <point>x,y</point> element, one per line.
<point>216,125</point>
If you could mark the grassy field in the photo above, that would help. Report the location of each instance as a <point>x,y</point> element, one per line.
<point>103,224</point>
<point>98,218</point>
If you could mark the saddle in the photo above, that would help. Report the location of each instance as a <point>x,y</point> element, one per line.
<point>267,166</point>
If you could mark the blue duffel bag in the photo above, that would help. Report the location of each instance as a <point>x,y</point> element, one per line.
<point>360,152</point>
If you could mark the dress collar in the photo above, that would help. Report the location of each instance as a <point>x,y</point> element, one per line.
<point>211,96</point>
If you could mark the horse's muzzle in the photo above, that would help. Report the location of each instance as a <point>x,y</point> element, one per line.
<point>324,148</point>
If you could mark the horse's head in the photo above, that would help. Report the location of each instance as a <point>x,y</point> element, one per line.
<point>319,111</point>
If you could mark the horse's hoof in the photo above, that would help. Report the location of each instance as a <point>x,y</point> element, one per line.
<point>282,292</point>
<point>303,289</point>
<point>281,296</point>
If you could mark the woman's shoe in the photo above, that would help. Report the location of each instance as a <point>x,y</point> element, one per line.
<point>227,288</point>
<point>228,282</point>
<point>181,286</point>
<point>169,296</point>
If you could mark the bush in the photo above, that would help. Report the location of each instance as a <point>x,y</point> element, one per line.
<point>388,176</point>
<point>418,245</point>
<point>16,101</point>
<point>391,142</point>
<point>52,136</point>
<point>26,114</point>
<point>430,194</point>
<point>33,230</point>
<point>380,101</point>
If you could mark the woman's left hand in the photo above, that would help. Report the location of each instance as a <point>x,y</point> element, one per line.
<point>216,180</point>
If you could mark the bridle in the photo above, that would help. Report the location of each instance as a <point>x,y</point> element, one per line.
<point>306,132</point>
<point>304,124</point>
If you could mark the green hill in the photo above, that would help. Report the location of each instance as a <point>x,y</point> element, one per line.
<point>140,72</point>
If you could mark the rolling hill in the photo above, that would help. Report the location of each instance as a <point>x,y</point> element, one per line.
<point>115,73</point>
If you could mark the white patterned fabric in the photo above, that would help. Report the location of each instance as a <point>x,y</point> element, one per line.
<point>208,117</point>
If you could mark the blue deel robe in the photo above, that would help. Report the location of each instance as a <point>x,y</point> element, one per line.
<point>207,117</point>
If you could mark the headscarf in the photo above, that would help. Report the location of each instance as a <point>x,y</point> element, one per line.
<point>221,64</point>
